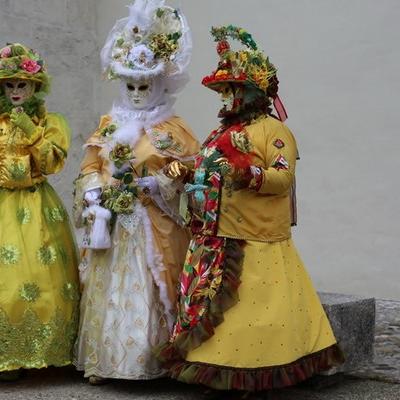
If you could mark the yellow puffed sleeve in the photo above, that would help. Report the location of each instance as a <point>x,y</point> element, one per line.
<point>183,144</point>
<point>280,154</point>
<point>92,165</point>
<point>92,174</point>
<point>91,161</point>
<point>49,151</point>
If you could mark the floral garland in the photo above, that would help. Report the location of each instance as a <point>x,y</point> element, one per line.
<point>201,280</point>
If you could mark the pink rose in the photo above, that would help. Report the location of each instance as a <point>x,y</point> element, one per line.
<point>30,66</point>
<point>6,52</point>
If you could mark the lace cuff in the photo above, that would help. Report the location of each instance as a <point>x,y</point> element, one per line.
<point>169,197</point>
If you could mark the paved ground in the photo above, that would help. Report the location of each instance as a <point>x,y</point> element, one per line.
<point>66,384</point>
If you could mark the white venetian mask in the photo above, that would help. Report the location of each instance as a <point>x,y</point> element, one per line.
<point>139,92</point>
<point>18,91</point>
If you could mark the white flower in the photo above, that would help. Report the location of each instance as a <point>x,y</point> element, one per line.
<point>169,22</point>
<point>141,56</point>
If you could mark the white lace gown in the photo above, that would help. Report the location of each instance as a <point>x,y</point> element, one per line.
<point>121,315</point>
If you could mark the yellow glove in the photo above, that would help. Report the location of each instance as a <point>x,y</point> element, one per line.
<point>176,170</point>
<point>23,121</point>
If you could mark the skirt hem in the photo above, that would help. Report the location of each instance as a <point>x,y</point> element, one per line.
<point>257,379</point>
<point>42,365</point>
<point>133,377</point>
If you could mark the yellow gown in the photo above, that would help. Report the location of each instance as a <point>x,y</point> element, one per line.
<point>39,291</point>
<point>249,317</point>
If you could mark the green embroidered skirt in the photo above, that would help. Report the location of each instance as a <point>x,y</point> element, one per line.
<point>39,289</point>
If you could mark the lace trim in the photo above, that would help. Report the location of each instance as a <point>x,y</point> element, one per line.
<point>149,118</point>
<point>30,343</point>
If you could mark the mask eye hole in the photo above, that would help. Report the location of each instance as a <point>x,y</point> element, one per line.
<point>225,91</point>
<point>130,87</point>
<point>9,85</point>
<point>143,88</point>
<point>21,85</point>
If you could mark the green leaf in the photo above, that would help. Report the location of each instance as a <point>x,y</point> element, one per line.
<point>17,50</point>
<point>128,178</point>
<point>193,285</point>
<point>118,175</point>
<point>188,268</point>
<point>132,189</point>
<point>213,195</point>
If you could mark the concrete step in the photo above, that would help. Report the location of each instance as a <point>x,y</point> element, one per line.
<point>353,322</point>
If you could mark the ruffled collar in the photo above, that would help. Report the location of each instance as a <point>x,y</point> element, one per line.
<point>147,119</point>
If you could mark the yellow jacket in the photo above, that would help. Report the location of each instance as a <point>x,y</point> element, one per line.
<point>265,215</point>
<point>23,162</point>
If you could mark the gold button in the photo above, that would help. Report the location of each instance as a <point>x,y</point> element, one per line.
<point>225,209</point>
<point>239,219</point>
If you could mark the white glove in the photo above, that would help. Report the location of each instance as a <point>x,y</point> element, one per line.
<point>150,183</point>
<point>99,235</point>
<point>93,196</point>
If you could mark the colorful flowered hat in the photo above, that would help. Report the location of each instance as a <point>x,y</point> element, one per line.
<point>20,62</point>
<point>249,66</point>
<point>153,40</point>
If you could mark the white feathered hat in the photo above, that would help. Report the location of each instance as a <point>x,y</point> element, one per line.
<point>154,40</point>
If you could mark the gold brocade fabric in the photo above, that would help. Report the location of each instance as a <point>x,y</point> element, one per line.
<point>31,343</point>
<point>39,289</point>
<point>279,313</point>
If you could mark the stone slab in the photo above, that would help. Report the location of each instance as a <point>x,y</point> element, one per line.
<point>386,363</point>
<point>353,322</point>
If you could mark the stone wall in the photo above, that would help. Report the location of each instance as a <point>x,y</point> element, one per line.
<point>64,32</point>
<point>338,66</point>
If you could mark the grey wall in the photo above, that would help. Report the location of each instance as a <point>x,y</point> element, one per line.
<point>338,65</point>
<point>64,32</point>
